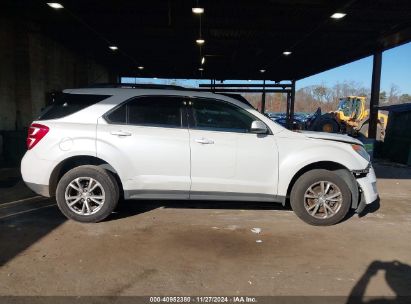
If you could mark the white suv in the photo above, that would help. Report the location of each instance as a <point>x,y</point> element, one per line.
<point>95,145</point>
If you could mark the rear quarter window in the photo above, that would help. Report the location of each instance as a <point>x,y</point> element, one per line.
<point>66,104</point>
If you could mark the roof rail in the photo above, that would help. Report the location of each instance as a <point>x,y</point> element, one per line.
<point>136,86</point>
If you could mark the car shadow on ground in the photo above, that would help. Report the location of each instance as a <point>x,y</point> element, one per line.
<point>134,207</point>
<point>21,228</point>
<point>128,208</point>
<point>371,208</point>
<point>398,277</point>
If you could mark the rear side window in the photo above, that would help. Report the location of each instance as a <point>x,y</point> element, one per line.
<point>157,111</point>
<point>67,104</point>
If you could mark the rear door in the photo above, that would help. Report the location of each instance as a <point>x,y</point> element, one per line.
<point>147,140</point>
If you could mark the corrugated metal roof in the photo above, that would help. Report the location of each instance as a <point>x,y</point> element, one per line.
<point>241,36</point>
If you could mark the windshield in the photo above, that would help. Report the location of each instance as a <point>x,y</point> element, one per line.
<point>350,106</point>
<point>344,104</point>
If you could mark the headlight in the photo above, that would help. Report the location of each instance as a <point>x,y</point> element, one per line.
<point>361,151</point>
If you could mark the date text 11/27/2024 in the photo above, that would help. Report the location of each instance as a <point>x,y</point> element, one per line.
<point>181,299</point>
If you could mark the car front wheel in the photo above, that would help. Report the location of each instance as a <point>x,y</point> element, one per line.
<point>87,194</point>
<point>320,197</point>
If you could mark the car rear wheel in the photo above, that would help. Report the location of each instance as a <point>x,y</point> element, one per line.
<point>320,197</point>
<point>87,194</point>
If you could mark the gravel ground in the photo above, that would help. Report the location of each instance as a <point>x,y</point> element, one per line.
<point>204,248</point>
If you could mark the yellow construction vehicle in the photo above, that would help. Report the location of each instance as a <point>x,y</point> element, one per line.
<point>351,117</point>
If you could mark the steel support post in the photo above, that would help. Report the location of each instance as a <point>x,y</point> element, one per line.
<point>263,99</point>
<point>287,114</point>
<point>292,102</point>
<point>375,94</point>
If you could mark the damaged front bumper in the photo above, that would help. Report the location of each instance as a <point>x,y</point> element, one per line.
<point>368,189</point>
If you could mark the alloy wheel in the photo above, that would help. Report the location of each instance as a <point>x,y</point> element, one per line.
<point>323,199</point>
<point>85,196</point>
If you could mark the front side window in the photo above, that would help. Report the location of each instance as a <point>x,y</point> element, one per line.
<point>118,116</point>
<point>158,111</point>
<point>214,115</point>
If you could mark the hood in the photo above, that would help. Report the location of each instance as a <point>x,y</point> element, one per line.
<point>332,136</point>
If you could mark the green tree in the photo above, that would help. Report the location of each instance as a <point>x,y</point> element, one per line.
<point>405,98</point>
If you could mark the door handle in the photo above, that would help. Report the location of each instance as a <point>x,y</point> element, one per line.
<point>120,133</point>
<point>204,141</point>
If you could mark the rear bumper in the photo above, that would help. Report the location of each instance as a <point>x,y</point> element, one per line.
<point>42,190</point>
<point>36,173</point>
<point>368,188</point>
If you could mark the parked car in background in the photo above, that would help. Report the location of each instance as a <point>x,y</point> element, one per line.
<point>299,122</point>
<point>95,145</point>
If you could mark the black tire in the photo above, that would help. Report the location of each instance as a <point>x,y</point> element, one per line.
<point>326,124</point>
<point>106,181</point>
<point>299,203</point>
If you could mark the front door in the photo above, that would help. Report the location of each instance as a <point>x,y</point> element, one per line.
<point>227,161</point>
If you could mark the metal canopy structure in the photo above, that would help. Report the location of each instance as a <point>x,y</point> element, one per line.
<point>285,88</point>
<point>262,40</point>
<point>241,37</point>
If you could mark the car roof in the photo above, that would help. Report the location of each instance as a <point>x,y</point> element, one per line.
<point>119,95</point>
<point>126,93</point>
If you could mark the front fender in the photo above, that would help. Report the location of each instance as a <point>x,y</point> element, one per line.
<point>294,155</point>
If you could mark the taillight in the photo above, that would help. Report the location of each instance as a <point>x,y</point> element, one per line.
<point>35,134</point>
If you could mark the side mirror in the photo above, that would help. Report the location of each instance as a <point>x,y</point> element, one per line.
<point>258,127</point>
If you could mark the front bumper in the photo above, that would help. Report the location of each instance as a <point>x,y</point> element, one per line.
<point>368,188</point>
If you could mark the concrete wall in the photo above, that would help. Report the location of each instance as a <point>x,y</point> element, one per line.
<point>7,75</point>
<point>31,66</point>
